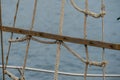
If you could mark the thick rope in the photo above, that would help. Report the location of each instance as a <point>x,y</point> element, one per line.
<point>94,63</point>
<point>17,6</point>
<point>95,15</point>
<point>28,41</point>
<point>59,42</point>
<point>2,47</point>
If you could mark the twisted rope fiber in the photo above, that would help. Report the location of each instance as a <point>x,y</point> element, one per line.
<point>85,36</point>
<point>95,15</point>
<point>2,45</point>
<point>103,52</point>
<point>94,63</point>
<point>9,47</point>
<point>59,43</point>
<point>32,38</point>
<point>28,41</point>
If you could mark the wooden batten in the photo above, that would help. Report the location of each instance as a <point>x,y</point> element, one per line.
<point>62,38</point>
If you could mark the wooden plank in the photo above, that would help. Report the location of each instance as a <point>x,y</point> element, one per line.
<point>63,38</point>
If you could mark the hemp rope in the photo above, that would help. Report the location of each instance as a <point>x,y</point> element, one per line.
<point>100,64</point>
<point>28,41</point>
<point>95,15</point>
<point>103,52</point>
<point>9,47</point>
<point>2,45</point>
<point>59,42</point>
<point>85,36</point>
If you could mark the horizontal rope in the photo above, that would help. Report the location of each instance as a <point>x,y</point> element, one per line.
<point>45,42</point>
<point>61,73</point>
<point>18,39</point>
<point>32,38</point>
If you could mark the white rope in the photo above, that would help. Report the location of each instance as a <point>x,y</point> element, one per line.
<point>62,73</point>
<point>44,42</point>
<point>95,15</point>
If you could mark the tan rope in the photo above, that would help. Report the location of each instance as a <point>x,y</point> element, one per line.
<point>28,41</point>
<point>17,6</point>
<point>2,47</point>
<point>44,42</point>
<point>18,39</point>
<point>95,15</point>
<point>100,64</point>
<point>103,52</point>
<point>85,36</point>
<point>59,43</point>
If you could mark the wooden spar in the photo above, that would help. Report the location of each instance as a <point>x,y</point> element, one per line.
<point>62,38</point>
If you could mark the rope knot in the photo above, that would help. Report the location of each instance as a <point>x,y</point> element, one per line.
<point>59,41</point>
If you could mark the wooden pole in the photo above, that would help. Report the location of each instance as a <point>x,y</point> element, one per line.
<point>62,38</point>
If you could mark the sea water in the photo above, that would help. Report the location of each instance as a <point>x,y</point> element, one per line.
<point>47,20</point>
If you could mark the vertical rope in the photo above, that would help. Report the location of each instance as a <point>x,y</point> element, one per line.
<point>17,6</point>
<point>85,36</point>
<point>28,41</point>
<point>59,43</point>
<point>103,52</point>
<point>2,47</point>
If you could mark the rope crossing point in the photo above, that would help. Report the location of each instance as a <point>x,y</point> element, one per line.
<point>59,43</point>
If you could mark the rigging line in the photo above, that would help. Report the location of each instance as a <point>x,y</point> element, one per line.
<point>2,47</point>
<point>15,16</point>
<point>59,42</point>
<point>103,52</point>
<point>90,13</point>
<point>85,36</point>
<point>28,41</point>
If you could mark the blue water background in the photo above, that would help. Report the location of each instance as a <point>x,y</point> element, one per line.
<point>47,20</point>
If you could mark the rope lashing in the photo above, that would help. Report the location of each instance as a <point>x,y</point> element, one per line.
<point>95,15</point>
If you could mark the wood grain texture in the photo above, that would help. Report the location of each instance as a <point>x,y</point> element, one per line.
<point>62,38</point>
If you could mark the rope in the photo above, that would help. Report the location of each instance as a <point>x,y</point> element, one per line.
<point>85,36</point>
<point>62,73</point>
<point>95,15</point>
<point>94,63</point>
<point>103,52</point>
<point>17,6</point>
<point>59,42</point>
<point>28,41</point>
<point>44,42</point>
<point>2,47</point>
